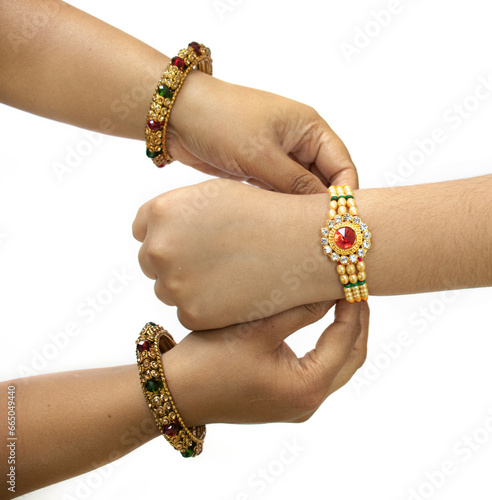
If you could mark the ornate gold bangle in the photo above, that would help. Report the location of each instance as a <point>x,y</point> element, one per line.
<point>194,56</point>
<point>151,343</point>
<point>346,239</point>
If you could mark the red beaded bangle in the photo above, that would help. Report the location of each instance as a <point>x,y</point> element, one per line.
<point>194,56</point>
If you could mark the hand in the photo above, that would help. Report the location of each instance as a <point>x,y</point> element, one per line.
<point>248,374</point>
<point>226,253</point>
<point>230,131</point>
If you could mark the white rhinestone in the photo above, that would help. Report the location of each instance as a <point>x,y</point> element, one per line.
<point>344,259</point>
<point>363,226</point>
<point>366,235</point>
<point>366,244</point>
<point>347,217</point>
<point>327,250</point>
<point>338,219</point>
<point>356,220</point>
<point>353,258</point>
<point>334,256</point>
<point>324,231</point>
<point>324,241</point>
<point>361,252</point>
<point>331,223</point>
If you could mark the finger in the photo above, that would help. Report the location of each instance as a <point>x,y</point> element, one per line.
<point>276,329</point>
<point>283,174</point>
<point>335,343</point>
<point>215,172</point>
<point>259,184</point>
<point>334,162</point>
<point>146,263</point>
<point>354,361</point>
<point>163,293</point>
<point>139,226</point>
<point>315,171</point>
<point>356,357</point>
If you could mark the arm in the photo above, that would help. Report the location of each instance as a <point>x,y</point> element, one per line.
<point>70,423</point>
<point>249,253</point>
<point>77,69</point>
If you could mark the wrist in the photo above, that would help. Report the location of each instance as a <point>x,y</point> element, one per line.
<point>191,111</point>
<point>323,283</point>
<point>182,387</point>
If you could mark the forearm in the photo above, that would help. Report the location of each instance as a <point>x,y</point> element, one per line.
<point>70,423</point>
<point>256,253</point>
<point>75,68</point>
<point>427,237</point>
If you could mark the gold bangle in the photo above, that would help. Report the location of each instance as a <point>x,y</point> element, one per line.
<point>194,56</point>
<point>346,239</point>
<point>151,343</point>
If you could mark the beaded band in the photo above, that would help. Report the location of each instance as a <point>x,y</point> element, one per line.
<point>151,343</point>
<point>194,56</point>
<point>346,239</point>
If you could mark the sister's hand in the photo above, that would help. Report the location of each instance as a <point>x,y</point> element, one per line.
<point>247,374</point>
<point>231,131</point>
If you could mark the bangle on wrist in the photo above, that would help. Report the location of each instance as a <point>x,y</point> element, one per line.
<point>345,240</point>
<point>194,56</point>
<point>151,343</point>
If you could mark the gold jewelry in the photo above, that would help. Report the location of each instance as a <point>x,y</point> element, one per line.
<point>346,239</point>
<point>194,56</point>
<point>151,343</point>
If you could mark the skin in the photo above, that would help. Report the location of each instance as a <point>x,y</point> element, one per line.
<point>91,75</point>
<point>282,145</point>
<point>224,252</point>
<point>260,380</point>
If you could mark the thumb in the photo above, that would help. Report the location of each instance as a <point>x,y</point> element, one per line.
<point>334,162</point>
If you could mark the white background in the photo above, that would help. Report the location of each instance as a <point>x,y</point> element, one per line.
<point>403,415</point>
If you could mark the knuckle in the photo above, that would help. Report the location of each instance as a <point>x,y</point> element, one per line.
<point>157,207</point>
<point>162,293</point>
<point>156,252</point>
<point>312,114</point>
<point>169,289</point>
<point>304,183</point>
<point>316,310</point>
<point>190,316</point>
<point>308,398</point>
<point>361,356</point>
<point>304,418</point>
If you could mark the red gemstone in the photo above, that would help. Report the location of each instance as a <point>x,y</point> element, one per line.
<point>196,47</point>
<point>171,430</point>
<point>178,62</point>
<point>153,125</point>
<point>143,345</point>
<point>344,238</point>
